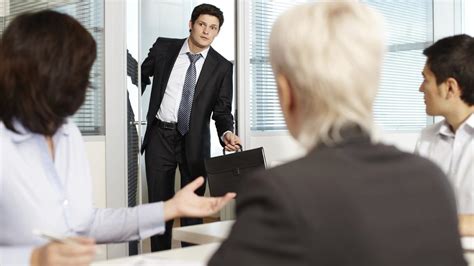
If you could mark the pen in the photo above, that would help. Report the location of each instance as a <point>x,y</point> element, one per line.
<point>56,238</point>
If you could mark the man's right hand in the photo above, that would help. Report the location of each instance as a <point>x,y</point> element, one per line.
<point>58,254</point>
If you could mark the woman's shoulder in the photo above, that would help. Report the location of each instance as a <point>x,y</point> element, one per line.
<point>6,134</point>
<point>70,127</point>
<point>72,132</point>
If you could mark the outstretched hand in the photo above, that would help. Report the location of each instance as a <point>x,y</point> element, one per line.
<point>186,203</point>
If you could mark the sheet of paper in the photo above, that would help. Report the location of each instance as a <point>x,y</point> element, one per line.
<point>156,261</point>
<point>468,243</point>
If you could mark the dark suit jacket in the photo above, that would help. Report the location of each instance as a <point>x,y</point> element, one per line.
<point>351,204</point>
<point>213,95</point>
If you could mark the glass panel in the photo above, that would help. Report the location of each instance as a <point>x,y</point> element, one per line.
<point>170,18</point>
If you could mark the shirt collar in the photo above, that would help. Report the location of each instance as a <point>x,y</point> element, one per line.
<point>470,121</point>
<point>185,49</point>
<point>24,134</point>
<point>445,128</point>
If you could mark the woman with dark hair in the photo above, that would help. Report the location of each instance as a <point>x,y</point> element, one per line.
<point>45,182</point>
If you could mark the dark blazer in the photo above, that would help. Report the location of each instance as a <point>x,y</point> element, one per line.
<point>213,95</point>
<point>351,204</point>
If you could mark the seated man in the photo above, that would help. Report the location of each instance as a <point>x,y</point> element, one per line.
<point>448,89</point>
<point>349,201</point>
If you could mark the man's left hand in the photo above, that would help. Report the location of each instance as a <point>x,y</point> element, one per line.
<point>231,141</point>
<point>186,203</point>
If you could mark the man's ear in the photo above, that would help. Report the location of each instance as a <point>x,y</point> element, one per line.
<point>190,25</point>
<point>453,89</point>
<point>289,105</point>
<point>285,93</point>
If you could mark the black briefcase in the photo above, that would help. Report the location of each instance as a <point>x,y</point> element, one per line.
<point>226,172</point>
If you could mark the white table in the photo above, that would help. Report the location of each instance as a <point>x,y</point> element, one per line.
<point>468,243</point>
<point>203,233</point>
<point>209,237</point>
<point>218,231</point>
<point>190,256</point>
<point>468,246</point>
<point>195,256</point>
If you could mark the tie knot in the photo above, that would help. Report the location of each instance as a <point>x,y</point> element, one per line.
<point>193,57</point>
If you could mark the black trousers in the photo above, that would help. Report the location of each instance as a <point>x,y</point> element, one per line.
<point>165,151</point>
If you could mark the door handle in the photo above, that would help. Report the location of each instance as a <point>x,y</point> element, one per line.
<point>137,123</point>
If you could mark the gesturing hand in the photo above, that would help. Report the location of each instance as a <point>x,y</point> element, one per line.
<point>186,203</point>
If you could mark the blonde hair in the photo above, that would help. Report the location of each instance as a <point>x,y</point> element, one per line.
<point>331,53</point>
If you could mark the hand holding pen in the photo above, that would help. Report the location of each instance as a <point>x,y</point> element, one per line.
<point>74,251</point>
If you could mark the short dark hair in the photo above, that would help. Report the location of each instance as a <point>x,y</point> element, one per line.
<point>207,9</point>
<point>45,60</point>
<point>454,57</point>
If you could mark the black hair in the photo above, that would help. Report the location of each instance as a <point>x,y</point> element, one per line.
<point>454,57</point>
<point>207,9</point>
<point>45,60</point>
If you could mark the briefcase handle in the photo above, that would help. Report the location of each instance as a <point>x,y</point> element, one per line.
<point>240,149</point>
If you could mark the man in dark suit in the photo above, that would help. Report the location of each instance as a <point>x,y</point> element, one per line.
<point>191,81</point>
<point>349,201</point>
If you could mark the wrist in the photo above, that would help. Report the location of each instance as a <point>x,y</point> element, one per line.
<point>34,260</point>
<point>170,210</point>
<point>224,134</point>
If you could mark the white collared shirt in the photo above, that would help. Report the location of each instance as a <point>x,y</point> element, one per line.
<point>37,192</point>
<point>168,111</point>
<point>454,153</point>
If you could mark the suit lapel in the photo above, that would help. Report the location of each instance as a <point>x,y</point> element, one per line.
<point>170,58</point>
<point>206,72</point>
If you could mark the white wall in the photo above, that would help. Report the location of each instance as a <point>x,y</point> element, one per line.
<point>468,17</point>
<point>95,149</point>
<point>280,148</point>
<point>403,141</point>
<point>116,112</point>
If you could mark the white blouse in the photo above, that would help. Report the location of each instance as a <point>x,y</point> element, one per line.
<point>37,192</point>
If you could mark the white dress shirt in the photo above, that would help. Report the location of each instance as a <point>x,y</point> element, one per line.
<point>169,107</point>
<point>454,153</point>
<point>37,192</point>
